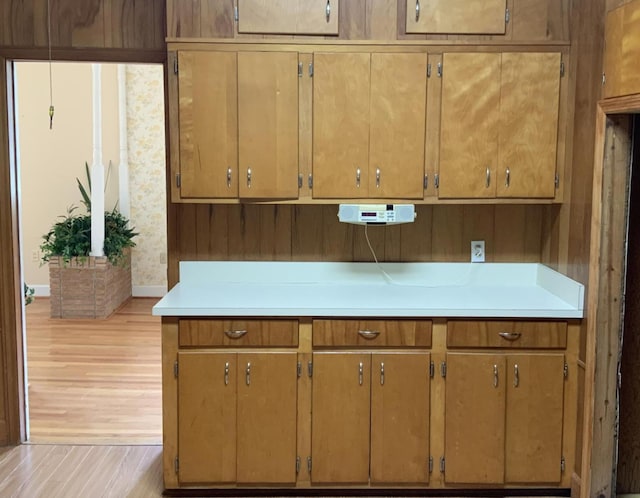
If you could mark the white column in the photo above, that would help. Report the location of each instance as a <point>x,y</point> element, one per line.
<point>124,203</point>
<point>97,168</point>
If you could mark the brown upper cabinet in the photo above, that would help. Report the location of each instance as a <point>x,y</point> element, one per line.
<point>238,121</point>
<point>295,17</point>
<point>456,16</point>
<point>499,125</point>
<point>369,125</point>
<point>622,51</point>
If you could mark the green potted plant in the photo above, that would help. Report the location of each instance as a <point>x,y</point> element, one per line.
<point>82,285</point>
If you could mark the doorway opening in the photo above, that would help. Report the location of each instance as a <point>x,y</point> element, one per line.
<point>92,381</point>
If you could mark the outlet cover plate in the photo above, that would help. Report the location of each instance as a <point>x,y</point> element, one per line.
<point>477,251</point>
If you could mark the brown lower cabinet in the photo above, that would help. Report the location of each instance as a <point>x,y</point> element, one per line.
<point>370,418</point>
<point>504,418</point>
<point>237,417</point>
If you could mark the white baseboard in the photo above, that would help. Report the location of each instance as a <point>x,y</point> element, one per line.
<point>41,290</point>
<point>136,290</point>
<point>148,290</point>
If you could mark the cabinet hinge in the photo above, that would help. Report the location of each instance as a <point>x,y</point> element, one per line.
<point>430,464</point>
<point>562,464</point>
<point>236,16</point>
<point>310,180</point>
<point>442,465</point>
<point>175,65</point>
<point>309,464</point>
<point>436,180</point>
<point>425,182</point>
<point>298,463</point>
<point>300,180</point>
<point>439,69</point>
<point>565,370</point>
<point>556,182</point>
<point>429,70</point>
<point>299,370</point>
<point>176,465</point>
<point>311,69</point>
<point>178,180</point>
<point>443,369</point>
<point>175,369</point>
<point>561,69</point>
<point>310,368</point>
<point>432,369</point>
<point>507,15</point>
<point>299,69</point>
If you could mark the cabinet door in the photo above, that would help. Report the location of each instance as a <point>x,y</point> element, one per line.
<point>207,417</point>
<point>529,103</point>
<point>469,125</point>
<point>456,16</point>
<point>340,418</point>
<point>311,17</point>
<point>341,124</point>
<point>268,124</point>
<point>535,400</point>
<point>475,418</point>
<point>400,418</point>
<point>267,410</point>
<point>208,117</point>
<point>397,133</point>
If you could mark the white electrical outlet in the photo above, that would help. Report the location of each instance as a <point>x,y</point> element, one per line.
<point>35,256</point>
<point>477,251</point>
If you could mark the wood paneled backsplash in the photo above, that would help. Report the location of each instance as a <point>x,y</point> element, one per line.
<point>313,233</point>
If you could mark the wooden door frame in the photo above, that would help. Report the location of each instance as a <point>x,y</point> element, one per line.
<point>607,263</point>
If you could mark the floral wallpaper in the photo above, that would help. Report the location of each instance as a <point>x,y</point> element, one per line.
<point>146,142</point>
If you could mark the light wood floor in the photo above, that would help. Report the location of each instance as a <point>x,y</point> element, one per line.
<point>95,381</point>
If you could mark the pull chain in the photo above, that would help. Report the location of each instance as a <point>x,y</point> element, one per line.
<point>51,108</point>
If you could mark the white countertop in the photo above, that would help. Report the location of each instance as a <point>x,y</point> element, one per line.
<point>319,289</point>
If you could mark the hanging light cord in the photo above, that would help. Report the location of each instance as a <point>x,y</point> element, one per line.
<point>51,108</point>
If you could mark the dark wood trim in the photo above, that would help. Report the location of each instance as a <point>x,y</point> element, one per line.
<point>629,104</point>
<point>85,54</point>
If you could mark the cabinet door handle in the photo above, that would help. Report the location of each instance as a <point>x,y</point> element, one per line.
<point>507,179</point>
<point>495,375</point>
<point>248,374</point>
<point>360,373</point>
<point>510,336</point>
<point>487,180</point>
<point>377,177</point>
<point>417,10</point>
<point>369,334</point>
<point>358,177</point>
<point>249,177</point>
<point>235,334</point>
<point>327,10</point>
<point>226,374</point>
<point>516,376</point>
<point>228,177</point>
<point>382,373</point>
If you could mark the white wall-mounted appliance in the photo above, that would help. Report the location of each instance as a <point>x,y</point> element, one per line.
<point>376,214</point>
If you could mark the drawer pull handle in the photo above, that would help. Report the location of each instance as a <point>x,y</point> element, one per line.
<point>495,375</point>
<point>360,373</point>
<point>417,10</point>
<point>226,373</point>
<point>382,373</point>
<point>248,374</point>
<point>235,334</point>
<point>510,336</point>
<point>327,11</point>
<point>516,376</point>
<point>369,334</point>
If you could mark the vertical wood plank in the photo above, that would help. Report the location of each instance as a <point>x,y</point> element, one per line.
<point>186,232</point>
<point>381,21</point>
<point>361,251</point>
<point>337,238</point>
<point>432,140</point>
<point>447,234</point>
<point>275,228</point>
<point>216,19</point>
<point>541,20</point>
<point>393,243</point>
<point>307,232</point>
<point>169,401</point>
<point>415,238</point>
<point>352,21</point>
<point>183,18</point>
<point>509,233</point>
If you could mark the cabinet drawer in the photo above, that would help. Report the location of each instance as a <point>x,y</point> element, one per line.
<point>372,333</point>
<point>506,334</point>
<point>234,333</point>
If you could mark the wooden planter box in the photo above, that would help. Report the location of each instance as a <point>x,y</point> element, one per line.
<point>90,287</point>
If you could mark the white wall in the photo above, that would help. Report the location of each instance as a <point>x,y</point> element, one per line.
<point>50,160</point>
